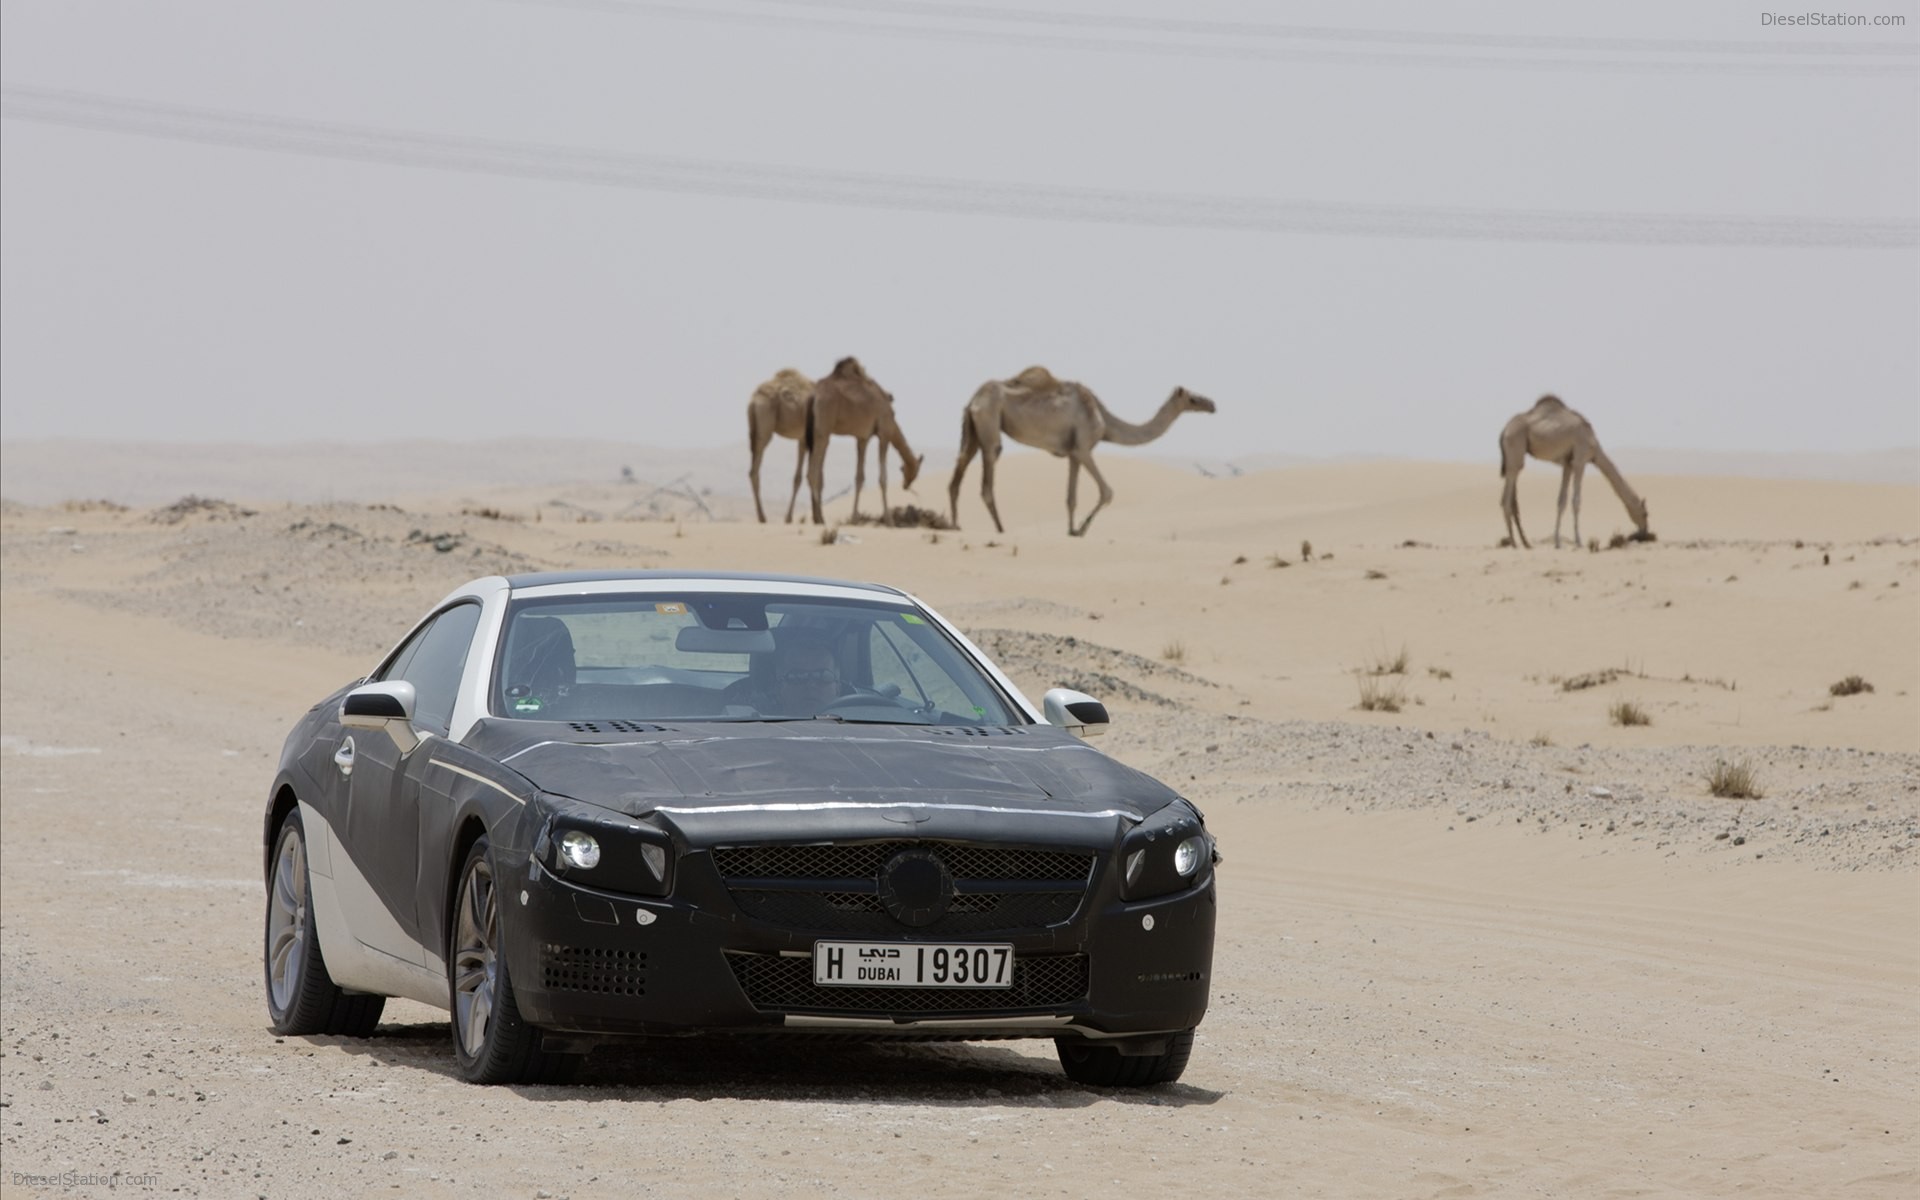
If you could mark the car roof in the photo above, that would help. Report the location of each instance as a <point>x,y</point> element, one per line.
<point>548,578</point>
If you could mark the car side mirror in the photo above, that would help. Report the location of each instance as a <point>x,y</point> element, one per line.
<point>383,706</point>
<point>1076,712</point>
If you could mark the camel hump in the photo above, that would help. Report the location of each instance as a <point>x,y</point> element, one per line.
<point>849,368</point>
<point>1548,401</point>
<point>1036,379</point>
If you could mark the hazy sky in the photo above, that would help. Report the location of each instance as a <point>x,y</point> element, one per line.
<point>1359,227</point>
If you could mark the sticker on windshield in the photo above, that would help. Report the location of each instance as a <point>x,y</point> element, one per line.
<point>527,704</point>
<point>910,619</point>
<point>672,608</point>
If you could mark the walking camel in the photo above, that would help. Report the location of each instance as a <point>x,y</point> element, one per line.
<point>1552,432</point>
<point>779,408</point>
<point>1065,419</point>
<point>849,403</point>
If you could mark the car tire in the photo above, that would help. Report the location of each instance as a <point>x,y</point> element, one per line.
<point>1103,1066</point>
<point>301,996</point>
<point>492,1042</point>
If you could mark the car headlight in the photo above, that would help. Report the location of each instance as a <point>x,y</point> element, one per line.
<point>1170,851</point>
<point>617,854</point>
<point>580,849</point>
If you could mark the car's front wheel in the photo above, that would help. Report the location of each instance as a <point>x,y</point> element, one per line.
<point>1104,1066</point>
<point>492,1042</point>
<point>301,995</point>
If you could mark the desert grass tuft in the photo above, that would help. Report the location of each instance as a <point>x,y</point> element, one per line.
<point>1274,560</point>
<point>1626,712</point>
<point>829,534</point>
<point>1174,652</point>
<point>1390,664</point>
<point>1734,781</point>
<point>1852,685</point>
<point>1376,574</point>
<point>1379,695</point>
<point>1540,739</point>
<point>1440,672</point>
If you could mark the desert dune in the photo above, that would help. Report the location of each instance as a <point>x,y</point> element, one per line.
<point>1484,941</point>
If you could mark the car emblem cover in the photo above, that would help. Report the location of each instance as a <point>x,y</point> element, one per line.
<point>916,887</point>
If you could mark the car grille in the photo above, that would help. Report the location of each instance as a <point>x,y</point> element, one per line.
<point>585,969</point>
<point>785,984</point>
<point>837,888</point>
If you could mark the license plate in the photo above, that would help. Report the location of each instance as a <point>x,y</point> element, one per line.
<point>912,964</point>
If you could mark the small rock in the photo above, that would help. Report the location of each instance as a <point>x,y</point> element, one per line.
<point>389,1156</point>
<point>1600,793</point>
<point>1740,841</point>
<point>46,1085</point>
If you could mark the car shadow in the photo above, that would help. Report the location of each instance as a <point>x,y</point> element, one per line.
<point>793,1069</point>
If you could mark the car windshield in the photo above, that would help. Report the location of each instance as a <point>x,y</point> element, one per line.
<point>735,657</point>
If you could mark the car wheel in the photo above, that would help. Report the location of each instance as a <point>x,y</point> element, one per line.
<point>1104,1066</point>
<point>301,996</point>
<point>492,1042</point>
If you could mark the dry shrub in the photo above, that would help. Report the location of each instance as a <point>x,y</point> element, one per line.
<point>1852,685</point>
<point>1390,664</point>
<point>1440,672</point>
<point>1378,695</point>
<point>1734,781</point>
<point>1274,560</point>
<point>1376,574</point>
<point>1541,739</point>
<point>829,534</point>
<point>1173,652</point>
<point>1626,712</point>
<point>1578,683</point>
<point>905,516</point>
<point>87,506</point>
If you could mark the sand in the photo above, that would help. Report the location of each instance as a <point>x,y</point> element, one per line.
<point>1491,943</point>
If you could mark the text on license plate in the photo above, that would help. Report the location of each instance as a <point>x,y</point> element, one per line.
<point>912,964</point>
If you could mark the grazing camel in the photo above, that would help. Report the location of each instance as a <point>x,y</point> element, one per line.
<point>849,403</point>
<point>1064,419</point>
<point>779,407</point>
<point>1552,432</point>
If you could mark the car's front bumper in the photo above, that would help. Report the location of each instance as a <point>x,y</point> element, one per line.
<point>590,962</point>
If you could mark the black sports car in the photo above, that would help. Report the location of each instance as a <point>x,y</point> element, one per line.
<point>576,807</point>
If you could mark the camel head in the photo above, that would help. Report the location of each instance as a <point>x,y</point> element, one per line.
<point>910,465</point>
<point>1639,516</point>
<point>1187,401</point>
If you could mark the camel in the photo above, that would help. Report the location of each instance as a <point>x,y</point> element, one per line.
<point>779,407</point>
<point>849,403</point>
<point>1552,432</point>
<point>1064,419</point>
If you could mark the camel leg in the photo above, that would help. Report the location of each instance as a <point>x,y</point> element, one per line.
<point>989,457</point>
<point>969,445</point>
<point>753,477</point>
<point>1566,478</point>
<point>886,514</point>
<point>1085,458</point>
<point>859,472</point>
<point>1510,505</point>
<point>816,475</point>
<point>1579,474</point>
<point>1073,491</point>
<point>799,470</point>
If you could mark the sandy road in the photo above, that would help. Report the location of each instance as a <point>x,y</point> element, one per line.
<point>1400,1008</point>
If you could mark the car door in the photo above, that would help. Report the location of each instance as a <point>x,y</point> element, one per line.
<point>383,802</point>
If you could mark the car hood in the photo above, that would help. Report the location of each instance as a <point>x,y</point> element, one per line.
<point>916,780</point>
